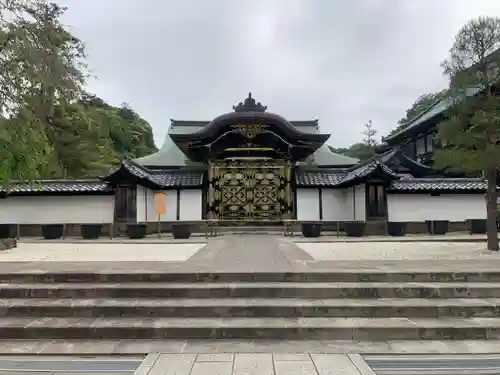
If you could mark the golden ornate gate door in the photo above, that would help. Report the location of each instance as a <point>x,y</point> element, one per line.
<point>249,191</point>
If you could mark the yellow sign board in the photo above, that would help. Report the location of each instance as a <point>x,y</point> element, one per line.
<point>160,203</point>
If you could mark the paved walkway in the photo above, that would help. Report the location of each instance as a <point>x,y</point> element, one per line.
<point>254,364</point>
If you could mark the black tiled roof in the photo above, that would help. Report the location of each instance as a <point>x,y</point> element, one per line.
<point>342,177</point>
<point>438,184</point>
<point>162,178</point>
<point>364,171</point>
<point>205,123</point>
<point>325,177</point>
<point>379,164</point>
<point>178,178</point>
<point>58,186</point>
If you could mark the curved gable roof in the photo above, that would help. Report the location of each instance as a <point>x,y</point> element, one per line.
<point>170,155</point>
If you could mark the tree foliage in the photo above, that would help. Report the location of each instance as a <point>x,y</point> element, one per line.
<point>49,127</point>
<point>357,150</point>
<point>471,134</point>
<point>361,150</point>
<point>418,107</point>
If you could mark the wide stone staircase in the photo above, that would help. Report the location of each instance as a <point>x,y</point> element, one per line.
<point>329,306</point>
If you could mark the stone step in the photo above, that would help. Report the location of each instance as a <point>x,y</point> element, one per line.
<point>261,307</point>
<point>252,290</point>
<point>370,329</point>
<point>347,276</point>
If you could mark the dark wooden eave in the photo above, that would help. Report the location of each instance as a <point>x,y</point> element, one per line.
<point>225,133</point>
<point>400,163</point>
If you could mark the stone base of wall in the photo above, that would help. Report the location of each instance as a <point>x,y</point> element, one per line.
<point>373,228</point>
<point>379,227</point>
<point>454,226</point>
<point>70,230</point>
<point>7,243</point>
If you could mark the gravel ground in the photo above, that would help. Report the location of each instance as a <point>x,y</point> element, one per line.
<point>397,251</point>
<point>92,252</point>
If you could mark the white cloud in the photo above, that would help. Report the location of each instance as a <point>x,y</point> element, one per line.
<point>342,61</point>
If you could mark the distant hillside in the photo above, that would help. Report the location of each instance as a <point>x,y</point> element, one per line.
<point>91,136</point>
<point>357,150</point>
<point>84,139</point>
<point>131,135</point>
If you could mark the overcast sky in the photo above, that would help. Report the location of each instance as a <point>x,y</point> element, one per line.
<point>341,61</point>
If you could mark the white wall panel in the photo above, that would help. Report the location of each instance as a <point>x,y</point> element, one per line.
<point>421,207</point>
<point>356,203</point>
<point>191,205</point>
<point>76,209</point>
<point>334,205</point>
<point>190,208</point>
<point>308,204</point>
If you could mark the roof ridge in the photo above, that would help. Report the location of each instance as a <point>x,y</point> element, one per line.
<point>57,180</point>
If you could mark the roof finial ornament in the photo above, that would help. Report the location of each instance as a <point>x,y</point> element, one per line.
<point>249,105</point>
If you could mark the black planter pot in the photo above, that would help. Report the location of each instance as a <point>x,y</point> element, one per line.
<point>311,229</point>
<point>135,231</point>
<point>181,231</point>
<point>7,231</point>
<point>437,226</point>
<point>477,226</point>
<point>52,231</point>
<point>91,231</point>
<point>396,229</point>
<point>354,228</point>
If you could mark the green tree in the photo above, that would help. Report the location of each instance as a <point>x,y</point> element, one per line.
<point>41,68</point>
<point>361,150</point>
<point>81,145</point>
<point>129,134</point>
<point>357,150</point>
<point>418,107</point>
<point>471,134</point>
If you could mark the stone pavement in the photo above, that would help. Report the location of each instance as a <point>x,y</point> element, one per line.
<point>254,356</point>
<point>192,346</point>
<point>262,253</point>
<point>265,253</point>
<point>254,364</point>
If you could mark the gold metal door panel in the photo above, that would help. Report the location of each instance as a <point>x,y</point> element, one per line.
<point>233,203</point>
<point>263,194</point>
<point>249,192</point>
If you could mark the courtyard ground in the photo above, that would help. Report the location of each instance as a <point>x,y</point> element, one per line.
<point>256,253</point>
<point>253,253</point>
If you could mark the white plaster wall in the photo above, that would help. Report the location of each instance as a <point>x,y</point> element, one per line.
<point>141,203</point>
<point>334,205</point>
<point>420,207</point>
<point>337,204</point>
<point>191,205</point>
<point>356,203</point>
<point>308,204</point>
<point>146,205</point>
<point>76,209</point>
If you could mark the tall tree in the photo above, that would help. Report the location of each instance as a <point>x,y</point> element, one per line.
<point>369,137</point>
<point>471,135</point>
<point>41,67</point>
